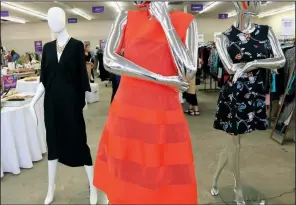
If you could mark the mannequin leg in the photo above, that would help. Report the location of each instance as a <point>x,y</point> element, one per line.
<point>52,168</point>
<point>223,160</point>
<point>93,195</point>
<point>234,164</point>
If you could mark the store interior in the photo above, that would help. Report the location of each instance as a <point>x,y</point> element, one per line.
<point>267,157</point>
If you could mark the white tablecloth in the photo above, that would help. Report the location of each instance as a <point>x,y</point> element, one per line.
<point>27,86</point>
<point>22,143</point>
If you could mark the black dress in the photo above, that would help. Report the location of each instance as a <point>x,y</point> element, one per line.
<point>241,106</point>
<point>65,85</point>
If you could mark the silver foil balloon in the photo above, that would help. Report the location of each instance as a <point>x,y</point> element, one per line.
<point>184,57</point>
<point>245,10</point>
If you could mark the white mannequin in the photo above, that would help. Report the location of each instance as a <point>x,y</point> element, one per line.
<point>57,24</point>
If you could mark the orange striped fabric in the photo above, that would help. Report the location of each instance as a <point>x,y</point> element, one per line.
<point>145,154</point>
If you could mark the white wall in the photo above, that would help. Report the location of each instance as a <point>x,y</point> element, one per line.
<point>275,22</point>
<point>21,37</point>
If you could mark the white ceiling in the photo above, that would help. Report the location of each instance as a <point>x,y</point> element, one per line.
<point>111,8</point>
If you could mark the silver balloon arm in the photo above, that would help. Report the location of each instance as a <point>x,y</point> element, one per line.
<point>119,65</point>
<point>192,43</point>
<point>278,60</point>
<point>222,45</point>
<point>184,57</point>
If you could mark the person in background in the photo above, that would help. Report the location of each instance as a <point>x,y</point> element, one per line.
<point>89,59</point>
<point>190,96</point>
<point>191,99</point>
<point>104,75</point>
<point>14,56</point>
<point>8,57</point>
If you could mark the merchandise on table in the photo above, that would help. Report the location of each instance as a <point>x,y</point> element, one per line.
<point>30,79</point>
<point>16,100</point>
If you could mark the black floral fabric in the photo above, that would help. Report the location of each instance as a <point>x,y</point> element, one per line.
<point>241,106</point>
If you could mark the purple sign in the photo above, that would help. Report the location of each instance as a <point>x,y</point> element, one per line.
<point>38,46</point>
<point>222,16</point>
<point>98,9</point>
<point>72,20</point>
<point>9,81</point>
<point>4,13</point>
<point>196,7</point>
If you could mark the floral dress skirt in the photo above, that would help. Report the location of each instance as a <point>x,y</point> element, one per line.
<point>241,106</point>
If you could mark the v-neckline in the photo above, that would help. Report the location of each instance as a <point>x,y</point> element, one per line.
<point>55,48</point>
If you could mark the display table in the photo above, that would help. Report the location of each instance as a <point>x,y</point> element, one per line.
<point>21,142</point>
<point>27,86</point>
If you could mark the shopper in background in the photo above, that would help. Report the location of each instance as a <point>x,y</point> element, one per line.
<point>104,75</point>
<point>89,60</point>
<point>190,96</point>
<point>14,56</point>
<point>191,99</point>
<point>8,57</point>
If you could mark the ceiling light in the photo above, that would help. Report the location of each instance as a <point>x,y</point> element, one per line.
<point>210,5</point>
<point>276,11</point>
<point>23,9</point>
<point>14,19</point>
<point>231,14</point>
<point>80,13</point>
<point>115,5</point>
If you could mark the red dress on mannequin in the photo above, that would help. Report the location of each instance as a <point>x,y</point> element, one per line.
<point>145,154</point>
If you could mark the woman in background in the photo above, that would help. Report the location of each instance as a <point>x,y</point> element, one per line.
<point>191,99</point>
<point>190,96</point>
<point>89,59</point>
<point>14,56</point>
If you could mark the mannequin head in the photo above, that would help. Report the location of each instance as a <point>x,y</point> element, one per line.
<point>251,8</point>
<point>56,18</point>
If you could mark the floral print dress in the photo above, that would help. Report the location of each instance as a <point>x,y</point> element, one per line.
<point>241,106</point>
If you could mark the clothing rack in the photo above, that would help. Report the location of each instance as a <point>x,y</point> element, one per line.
<point>208,78</point>
<point>286,102</point>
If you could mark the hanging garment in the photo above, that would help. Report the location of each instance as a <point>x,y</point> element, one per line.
<point>65,84</point>
<point>241,106</point>
<point>145,154</point>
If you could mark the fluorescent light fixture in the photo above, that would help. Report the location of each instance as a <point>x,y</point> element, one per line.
<point>115,5</point>
<point>276,11</point>
<point>80,13</point>
<point>16,7</point>
<point>13,19</point>
<point>212,4</point>
<point>231,14</point>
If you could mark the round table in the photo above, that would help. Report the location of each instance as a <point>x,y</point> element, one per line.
<point>22,143</point>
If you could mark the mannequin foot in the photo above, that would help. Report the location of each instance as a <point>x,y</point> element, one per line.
<point>93,196</point>
<point>214,191</point>
<point>50,195</point>
<point>239,198</point>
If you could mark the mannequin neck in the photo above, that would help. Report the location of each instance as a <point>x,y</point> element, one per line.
<point>62,37</point>
<point>243,23</point>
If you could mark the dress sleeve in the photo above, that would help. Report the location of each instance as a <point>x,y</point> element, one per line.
<point>82,72</point>
<point>42,69</point>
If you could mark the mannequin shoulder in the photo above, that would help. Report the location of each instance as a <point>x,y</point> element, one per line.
<point>48,45</point>
<point>77,43</point>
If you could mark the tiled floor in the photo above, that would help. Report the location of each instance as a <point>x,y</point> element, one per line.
<point>266,167</point>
